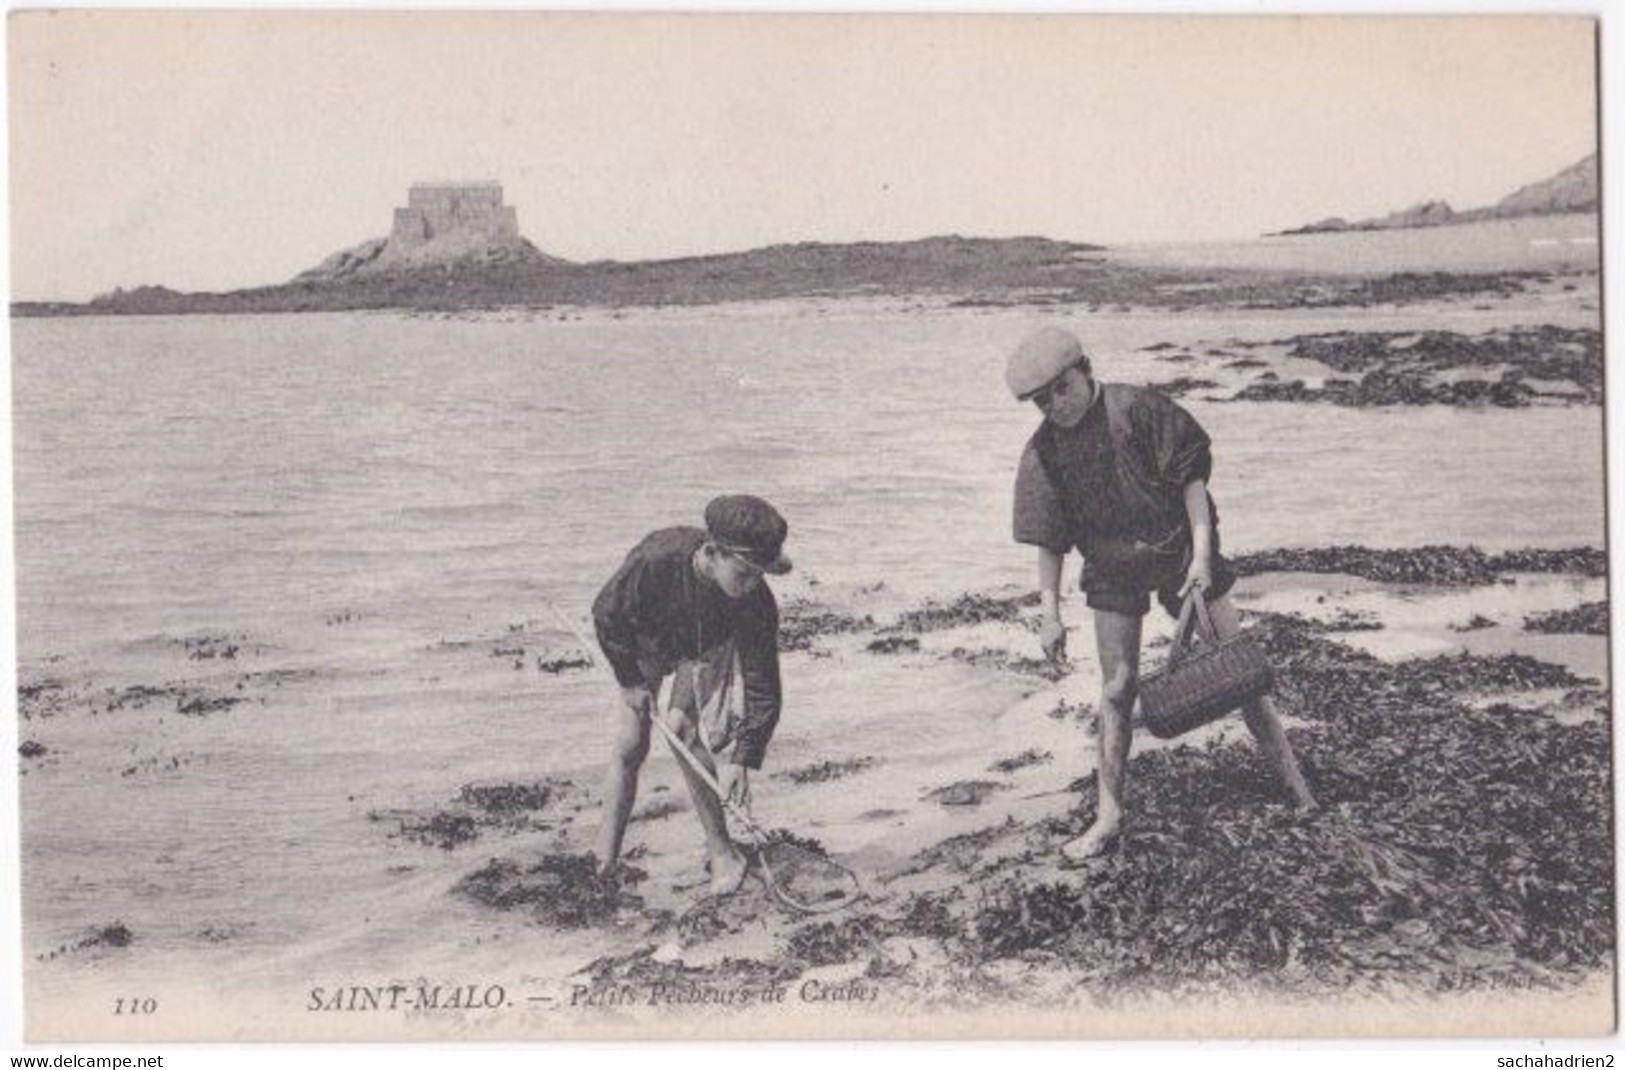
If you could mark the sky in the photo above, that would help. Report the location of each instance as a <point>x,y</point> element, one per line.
<point>209,151</point>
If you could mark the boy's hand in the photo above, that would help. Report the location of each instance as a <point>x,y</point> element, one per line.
<point>734,780</point>
<point>1200,575</point>
<point>638,699</point>
<point>1052,637</point>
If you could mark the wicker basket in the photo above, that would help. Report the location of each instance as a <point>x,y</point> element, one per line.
<point>1197,685</point>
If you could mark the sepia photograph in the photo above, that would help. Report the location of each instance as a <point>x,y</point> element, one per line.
<point>662,526</point>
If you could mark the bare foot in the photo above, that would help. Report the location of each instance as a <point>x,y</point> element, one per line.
<point>1101,837</point>
<point>728,872</point>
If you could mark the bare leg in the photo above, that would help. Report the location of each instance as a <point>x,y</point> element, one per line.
<point>1117,642</point>
<point>1261,719</point>
<point>631,746</point>
<point>728,863</point>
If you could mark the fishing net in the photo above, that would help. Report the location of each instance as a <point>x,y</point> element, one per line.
<point>802,876</point>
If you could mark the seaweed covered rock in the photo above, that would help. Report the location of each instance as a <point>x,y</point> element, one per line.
<point>1435,564</point>
<point>1514,368</point>
<point>1588,619</point>
<point>963,611</point>
<point>1449,565</point>
<point>1178,388</point>
<point>1031,756</point>
<point>1457,848</point>
<point>564,891</point>
<point>819,772</point>
<point>1575,561</point>
<point>802,623</point>
<point>506,799</point>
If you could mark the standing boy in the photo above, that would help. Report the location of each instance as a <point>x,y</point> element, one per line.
<point>1120,473</point>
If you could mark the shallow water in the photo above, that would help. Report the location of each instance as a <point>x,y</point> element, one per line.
<point>373,502</point>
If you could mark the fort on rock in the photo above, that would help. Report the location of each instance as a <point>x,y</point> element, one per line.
<point>443,223</point>
<point>455,211</point>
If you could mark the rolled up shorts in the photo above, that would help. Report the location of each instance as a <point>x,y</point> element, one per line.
<point>704,688</point>
<point>1121,578</point>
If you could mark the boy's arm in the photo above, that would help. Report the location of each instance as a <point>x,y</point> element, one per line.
<point>1039,519</point>
<point>1051,632</point>
<point>1200,515</point>
<point>757,639</point>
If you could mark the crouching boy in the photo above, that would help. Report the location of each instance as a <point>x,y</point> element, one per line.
<point>692,604</point>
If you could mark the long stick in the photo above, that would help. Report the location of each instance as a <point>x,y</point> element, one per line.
<point>746,822</point>
<point>686,756</point>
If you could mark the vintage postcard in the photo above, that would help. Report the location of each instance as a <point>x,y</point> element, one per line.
<point>536,526</point>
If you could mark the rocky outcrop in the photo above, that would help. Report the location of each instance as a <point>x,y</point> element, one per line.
<point>443,223</point>
<point>1573,189</point>
<point>1426,214</point>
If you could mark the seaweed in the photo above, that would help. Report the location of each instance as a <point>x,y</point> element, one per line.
<point>203,705</point>
<point>1008,662</point>
<point>964,792</point>
<point>115,935</point>
<point>965,610</point>
<point>1578,561</point>
<point>1178,388</point>
<point>40,698</point>
<point>1444,565</point>
<point>828,942</point>
<point>562,663</point>
<point>801,622</point>
<point>209,647</point>
<point>442,829</point>
<point>563,891</point>
<point>1456,848</point>
<point>805,843</point>
<point>1591,618</point>
<point>1021,761</point>
<point>820,772</point>
<point>506,800</point>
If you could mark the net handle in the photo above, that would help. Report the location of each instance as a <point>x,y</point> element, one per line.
<point>752,829</point>
<point>746,822</point>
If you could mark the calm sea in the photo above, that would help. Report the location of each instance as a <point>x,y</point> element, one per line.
<point>258,473</point>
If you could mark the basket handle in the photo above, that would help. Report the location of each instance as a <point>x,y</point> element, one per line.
<point>1194,603</point>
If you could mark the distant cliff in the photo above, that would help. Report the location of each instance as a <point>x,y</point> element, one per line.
<point>1573,189</point>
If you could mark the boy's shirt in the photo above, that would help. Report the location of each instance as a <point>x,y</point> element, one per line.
<point>1119,475</point>
<point>657,611</point>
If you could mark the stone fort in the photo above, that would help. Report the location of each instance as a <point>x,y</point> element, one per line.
<point>470,211</point>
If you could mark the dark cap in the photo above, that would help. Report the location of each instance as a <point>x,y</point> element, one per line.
<point>750,528</point>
